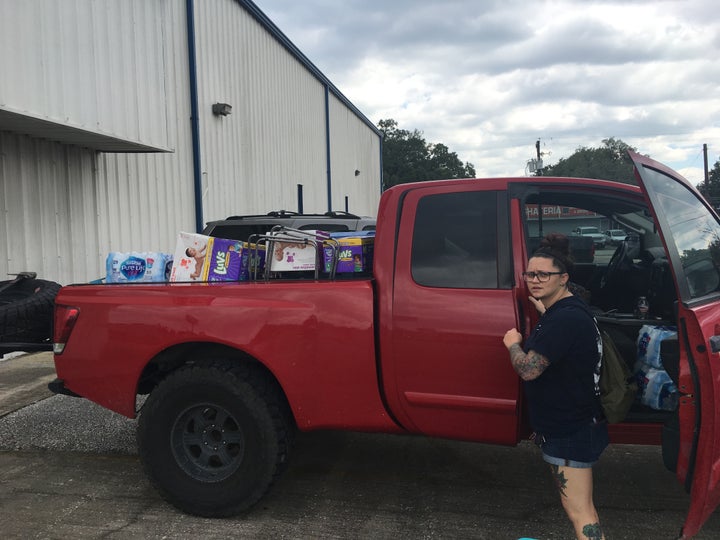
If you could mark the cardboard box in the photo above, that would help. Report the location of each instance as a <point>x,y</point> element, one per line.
<point>204,258</point>
<point>231,260</point>
<point>189,258</point>
<point>252,261</point>
<point>354,252</point>
<point>293,251</point>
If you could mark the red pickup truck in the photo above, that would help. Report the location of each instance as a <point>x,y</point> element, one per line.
<point>222,374</point>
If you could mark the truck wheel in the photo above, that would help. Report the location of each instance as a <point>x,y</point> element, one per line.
<point>213,437</point>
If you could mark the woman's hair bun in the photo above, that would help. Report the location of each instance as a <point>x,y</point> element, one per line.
<point>556,242</point>
<point>556,246</point>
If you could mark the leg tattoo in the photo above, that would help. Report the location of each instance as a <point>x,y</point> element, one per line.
<point>560,480</point>
<point>593,531</point>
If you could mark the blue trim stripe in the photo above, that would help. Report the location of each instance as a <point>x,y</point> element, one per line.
<point>194,118</point>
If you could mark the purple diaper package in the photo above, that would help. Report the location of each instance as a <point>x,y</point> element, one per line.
<point>354,251</point>
<point>231,260</point>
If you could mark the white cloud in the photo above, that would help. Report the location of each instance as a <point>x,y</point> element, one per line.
<point>490,78</point>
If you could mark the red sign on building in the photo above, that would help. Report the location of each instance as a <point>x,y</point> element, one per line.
<point>557,212</point>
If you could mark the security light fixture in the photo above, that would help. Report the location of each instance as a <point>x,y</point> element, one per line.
<point>221,109</point>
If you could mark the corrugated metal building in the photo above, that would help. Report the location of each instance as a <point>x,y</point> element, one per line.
<point>109,142</point>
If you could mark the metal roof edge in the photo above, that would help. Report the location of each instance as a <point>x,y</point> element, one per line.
<point>34,125</point>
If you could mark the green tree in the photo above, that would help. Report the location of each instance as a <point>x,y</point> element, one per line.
<point>407,157</point>
<point>711,191</point>
<point>608,162</point>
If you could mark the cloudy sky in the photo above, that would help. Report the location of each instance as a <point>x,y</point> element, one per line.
<point>488,78</point>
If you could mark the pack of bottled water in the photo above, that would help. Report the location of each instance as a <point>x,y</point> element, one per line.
<point>656,389</point>
<point>134,266</point>
<point>648,343</point>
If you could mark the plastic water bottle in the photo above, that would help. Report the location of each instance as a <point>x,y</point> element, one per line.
<point>642,307</point>
<point>658,390</point>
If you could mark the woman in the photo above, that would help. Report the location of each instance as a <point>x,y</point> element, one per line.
<point>560,367</point>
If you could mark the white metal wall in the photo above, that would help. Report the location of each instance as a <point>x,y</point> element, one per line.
<point>274,139</point>
<point>144,200</point>
<point>64,208</point>
<point>353,147</point>
<point>86,64</point>
<point>43,188</point>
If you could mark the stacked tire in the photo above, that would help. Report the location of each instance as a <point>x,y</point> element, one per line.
<point>26,309</point>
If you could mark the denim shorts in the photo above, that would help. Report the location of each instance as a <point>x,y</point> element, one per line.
<point>579,450</point>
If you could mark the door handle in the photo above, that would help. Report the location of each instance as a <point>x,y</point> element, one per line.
<point>715,343</point>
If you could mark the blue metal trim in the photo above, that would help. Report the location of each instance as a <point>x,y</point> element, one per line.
<point>327,147</point>
<point>194,119</point>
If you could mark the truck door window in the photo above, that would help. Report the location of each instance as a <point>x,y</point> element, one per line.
<point>455,241</point>
<point>695,233</point>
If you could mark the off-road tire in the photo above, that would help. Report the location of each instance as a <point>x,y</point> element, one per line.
<point>213,437</point>
<point>26,310</point>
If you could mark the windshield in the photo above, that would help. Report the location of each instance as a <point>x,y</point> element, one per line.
<point>695,233</point>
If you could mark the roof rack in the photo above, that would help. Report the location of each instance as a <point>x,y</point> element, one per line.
<point>340,214</point>
<point>290,214</point>
<point>283,213</point>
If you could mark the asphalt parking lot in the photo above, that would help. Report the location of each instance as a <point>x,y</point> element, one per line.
<point>70,469</point>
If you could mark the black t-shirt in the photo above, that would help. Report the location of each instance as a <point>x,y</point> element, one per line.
<point>566,396</point>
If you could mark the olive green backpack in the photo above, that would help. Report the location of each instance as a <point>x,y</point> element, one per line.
<point>617,385</point>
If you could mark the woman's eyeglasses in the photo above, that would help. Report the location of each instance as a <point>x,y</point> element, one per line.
<point>542,277</point>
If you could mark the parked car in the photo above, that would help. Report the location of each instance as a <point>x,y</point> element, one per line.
<point>242,227</point>
<point>614,237</point>
<point>591,232</point>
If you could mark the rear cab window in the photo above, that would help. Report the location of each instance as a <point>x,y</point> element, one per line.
<point>455,241</point>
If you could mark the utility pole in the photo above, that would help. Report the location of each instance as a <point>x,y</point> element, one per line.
<point>707,176</point>
<point>534,165</point>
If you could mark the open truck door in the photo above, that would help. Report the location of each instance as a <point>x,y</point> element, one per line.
<point>690,230</point>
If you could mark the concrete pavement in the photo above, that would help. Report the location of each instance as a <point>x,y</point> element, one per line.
<point>24,379</point>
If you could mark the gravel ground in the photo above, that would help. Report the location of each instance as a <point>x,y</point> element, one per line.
<point>67,424</point>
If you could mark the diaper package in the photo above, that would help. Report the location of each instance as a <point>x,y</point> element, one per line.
<point>135,266</point>
<point>354,251</point>
<point>204,258</point>
<point>190,257</point>
<point>294,251</point>
<point>231,260</point>
<point>252,261</point>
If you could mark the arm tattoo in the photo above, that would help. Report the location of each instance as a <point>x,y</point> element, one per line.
<point>529,366</point>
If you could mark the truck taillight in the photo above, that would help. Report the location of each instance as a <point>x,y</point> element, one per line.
<point>65,317</point>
